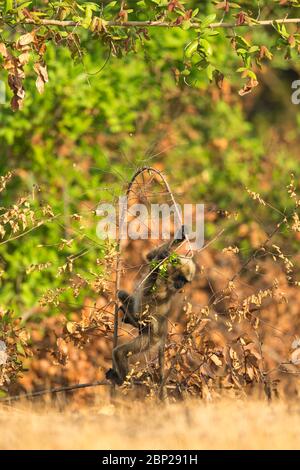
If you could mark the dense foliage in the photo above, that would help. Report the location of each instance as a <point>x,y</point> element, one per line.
<point>122,27</point>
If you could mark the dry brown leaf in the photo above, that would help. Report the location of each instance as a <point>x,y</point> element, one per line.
<point>71,327</point>
<point>250,373</point>
<point>206,370</point>
<point>24,58</point>
<point>25,39</point>
<point>62,346</point>
<point>203,324</point>
<point>24,336</point>
<point>253,348</point>
<point>40,84</point>
<point>42,74</point>
<point>3,50</point>
<point>215,359</point>
<point>248,87</point>
<point>295,356</point>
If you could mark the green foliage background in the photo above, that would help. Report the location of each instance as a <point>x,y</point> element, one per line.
<point>103,116</point>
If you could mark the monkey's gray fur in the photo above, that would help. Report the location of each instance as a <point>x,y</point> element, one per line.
<point>149,308</point>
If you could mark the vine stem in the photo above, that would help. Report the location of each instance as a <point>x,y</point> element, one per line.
<point>162,24</point>
<point>150,169</point>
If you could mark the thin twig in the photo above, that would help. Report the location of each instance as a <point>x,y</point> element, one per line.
<point>116,312</point>
<point>68,388</point>
<point>22,234</point>
<point>261,247</point>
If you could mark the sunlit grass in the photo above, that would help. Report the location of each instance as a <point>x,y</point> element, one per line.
<point>223,424</point>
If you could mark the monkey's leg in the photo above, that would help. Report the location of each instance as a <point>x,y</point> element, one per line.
<point>121,357</point>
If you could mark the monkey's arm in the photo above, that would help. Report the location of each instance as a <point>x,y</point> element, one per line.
<point>163,251</point>
<point>160,254</point>
<point>127,308</point>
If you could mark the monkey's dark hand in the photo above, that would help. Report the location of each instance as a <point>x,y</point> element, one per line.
<point>124,297</point>
<point>127,301</point>
<point>128,308</point>
<point>163,252</point>
<point>158,254</point>
<point>112,375</point>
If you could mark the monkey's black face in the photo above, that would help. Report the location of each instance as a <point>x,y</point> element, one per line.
<point>180,281</point>
<point>182,273</point>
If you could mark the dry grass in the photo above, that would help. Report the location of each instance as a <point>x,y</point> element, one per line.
<point>233,424</point>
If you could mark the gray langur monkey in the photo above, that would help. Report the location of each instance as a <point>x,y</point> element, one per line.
<point>149,307</point>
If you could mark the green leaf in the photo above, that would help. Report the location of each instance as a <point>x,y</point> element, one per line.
<point>210,70</point>
<point>212,32</point>
<point>191,48</point>
<point>23,5</point>
<point>113,4</point>
<point>242,41</point>
<point>185,25</point>
<point>88,17</point>
<point>8,5</point>
<point>208,20</point>
<point>206,46</point>
<point>253,49</point>
<point>251,74</point>
<point>20,349</point>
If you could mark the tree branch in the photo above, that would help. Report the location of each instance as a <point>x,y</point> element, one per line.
<point>68,388</point>
<point>163,24</point>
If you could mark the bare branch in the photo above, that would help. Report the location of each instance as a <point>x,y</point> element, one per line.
<point>68,388</point>
<point>164,24</point>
